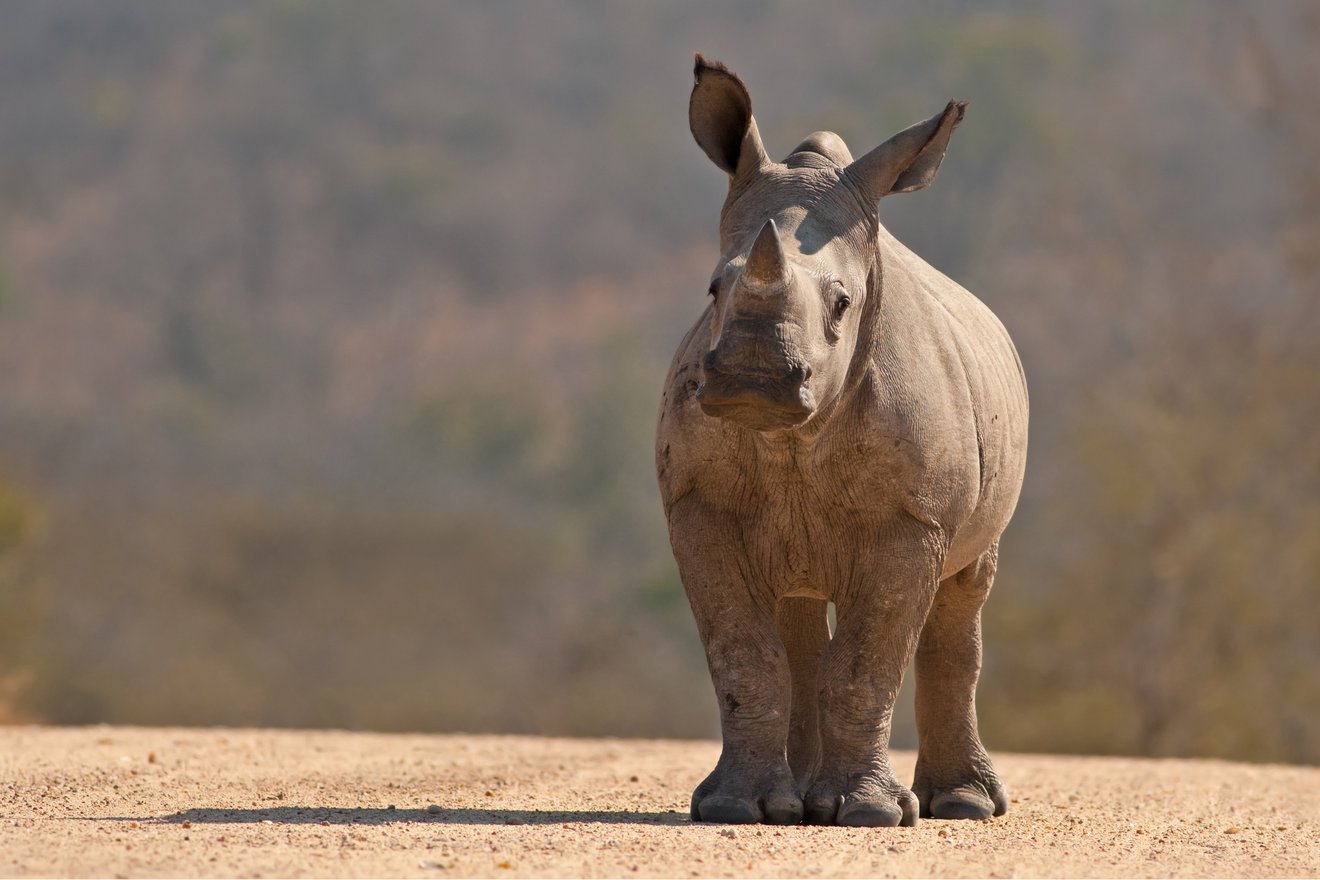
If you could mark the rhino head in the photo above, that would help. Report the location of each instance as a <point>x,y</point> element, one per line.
<point>796,284</point>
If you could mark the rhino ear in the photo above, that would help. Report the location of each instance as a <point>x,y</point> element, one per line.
<point>720,116</point>
<point>908,160</point>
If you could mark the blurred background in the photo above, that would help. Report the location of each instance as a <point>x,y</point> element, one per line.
<point>332,334</point>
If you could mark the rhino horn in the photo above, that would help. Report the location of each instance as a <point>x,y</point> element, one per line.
<point>767,266</point>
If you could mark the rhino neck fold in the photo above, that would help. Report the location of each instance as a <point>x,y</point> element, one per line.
<point>870,327</point>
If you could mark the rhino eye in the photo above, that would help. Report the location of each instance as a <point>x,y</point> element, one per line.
<point>841,303</point>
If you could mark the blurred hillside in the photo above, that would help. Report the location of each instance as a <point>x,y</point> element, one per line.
<point>331,338</point>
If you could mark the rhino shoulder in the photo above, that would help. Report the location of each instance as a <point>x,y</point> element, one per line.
<point>689,447</point>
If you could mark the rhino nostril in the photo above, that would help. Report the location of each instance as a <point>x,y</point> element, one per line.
<point>799,373</point>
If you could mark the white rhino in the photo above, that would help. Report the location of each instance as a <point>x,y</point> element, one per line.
<point>843,424</point>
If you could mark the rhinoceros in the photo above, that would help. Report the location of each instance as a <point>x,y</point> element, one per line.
<point>842,424</point>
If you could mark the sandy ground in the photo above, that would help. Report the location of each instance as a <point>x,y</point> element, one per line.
<point>130,802</point>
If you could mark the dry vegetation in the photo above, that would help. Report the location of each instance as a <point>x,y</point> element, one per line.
<point>331,336</point>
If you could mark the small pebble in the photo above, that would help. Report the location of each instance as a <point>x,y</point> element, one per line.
<point>433,809</point>
<point>730,833</point>
<point>187,824</point>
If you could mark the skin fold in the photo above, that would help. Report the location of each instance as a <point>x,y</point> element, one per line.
<point>842,424</point>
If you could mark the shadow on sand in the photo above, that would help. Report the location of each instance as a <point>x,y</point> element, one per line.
<point>294,815</point>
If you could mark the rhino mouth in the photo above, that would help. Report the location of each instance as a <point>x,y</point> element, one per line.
<point>757,406</point>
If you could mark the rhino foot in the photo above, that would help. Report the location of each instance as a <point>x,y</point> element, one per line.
<point>973,794</point>
<point>876,800</point>
<point>735,797</point>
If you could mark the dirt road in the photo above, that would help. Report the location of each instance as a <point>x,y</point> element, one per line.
<point>192,803</point>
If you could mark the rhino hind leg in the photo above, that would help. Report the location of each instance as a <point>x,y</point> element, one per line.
<point>954,777</point>
<point>804,629</point>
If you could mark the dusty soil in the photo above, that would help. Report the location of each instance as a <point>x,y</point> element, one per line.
<point>198,803</point>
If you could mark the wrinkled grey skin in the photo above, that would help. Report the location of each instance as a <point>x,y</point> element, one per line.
<point>843,424</point>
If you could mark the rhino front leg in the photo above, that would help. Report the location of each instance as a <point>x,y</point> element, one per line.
<point>749,669</point>
<point>954,777</point>
<point>879,619</point>
<point>805,631</point>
